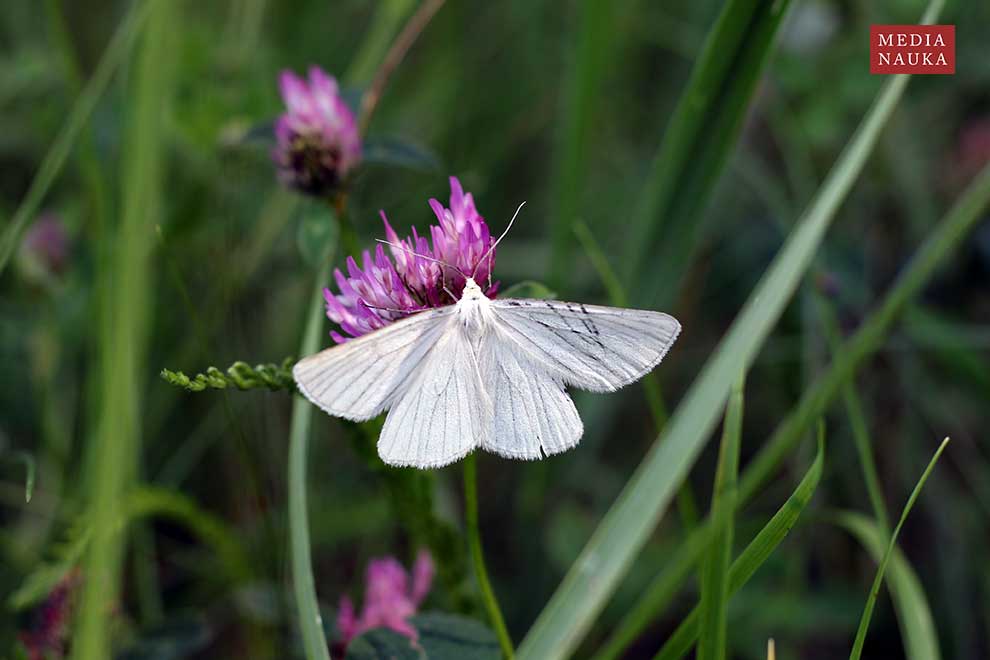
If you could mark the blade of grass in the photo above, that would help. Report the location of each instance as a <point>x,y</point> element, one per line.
<point>714,579</point>
<point>30,469</point>
<point>89,159</point>
<point>376,43</point>
<point>384,25</point>
<point>950,347</point>
<point>594,37</point>
<point>114,450</point>
<point>857,421</point>
<point>155,502</point>
<point>51,166</point>
<point>755,554</point>
<point>864,622</point>
<point>949,234</point>
<point>914,616</point>
<point>618,298</point>
<point>686,505</point>
<point>303,582</point>
<point>675,573</point>
<point>661,590</point>
<point>697,142</point>
<point>627,525</point>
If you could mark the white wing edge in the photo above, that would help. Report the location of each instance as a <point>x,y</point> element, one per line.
<point>517,304</point>
<point>341,352</point>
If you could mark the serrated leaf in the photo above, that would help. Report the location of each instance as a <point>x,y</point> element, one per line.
<point>529,289</point>
<point>317,235</point>
<point>383,644</point>
<point>452,637</point>
<point>397,152</point>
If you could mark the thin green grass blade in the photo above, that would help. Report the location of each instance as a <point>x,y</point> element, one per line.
<point>618,298</point>
<point>914,616</point>
<point>116,52</point>
<point>950,345</point>
<point>627,525</point>
<point>30,468</point>
<point>697,142</point>
<point>715,569</point>
<point>864,622</point>
<point>651,382</point>
<point>112,457</point>
<point>661,591</point>
<point>155,502</point>
<point>857,422</point>
<point>582,94</point>
<point>303,582</point>
<point>386,23</point>
<point>755,554</point>
<point>935,250</point>
<point>606,274</point>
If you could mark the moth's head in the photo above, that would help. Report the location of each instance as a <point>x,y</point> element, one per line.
<point>471,290</point>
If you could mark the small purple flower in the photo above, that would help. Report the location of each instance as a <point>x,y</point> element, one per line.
<point>46,640</point>
<point>45,248</point>
<point>389,599</point>
<point>383,290</point>
<point>318,140</point>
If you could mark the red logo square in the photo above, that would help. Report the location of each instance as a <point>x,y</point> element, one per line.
<point>913,49</point>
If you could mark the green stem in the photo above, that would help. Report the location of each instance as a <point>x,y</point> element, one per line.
<point>304,586</point>
<point>936,248</point>
<point>116,52</point>
<point>857,422</point>
<point>864,622</point>
<point>478,558</point>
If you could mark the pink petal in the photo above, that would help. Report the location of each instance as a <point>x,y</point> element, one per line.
<point>422,576</point>
<point>346,621</point>
<point>294,91</point>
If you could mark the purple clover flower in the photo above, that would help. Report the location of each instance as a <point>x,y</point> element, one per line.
<point>317,138</point>
<point>45,248</point>
<point>397,282</point>
<point>389,598</point>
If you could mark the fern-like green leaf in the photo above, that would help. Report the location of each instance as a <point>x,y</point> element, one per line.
<point>240,375</point>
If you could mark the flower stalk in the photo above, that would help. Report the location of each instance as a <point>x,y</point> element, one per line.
<point>478,557</point>
<point>304,584</point>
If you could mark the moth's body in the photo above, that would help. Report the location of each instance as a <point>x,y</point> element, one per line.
<point>474,308</point>
<point>484,373</point>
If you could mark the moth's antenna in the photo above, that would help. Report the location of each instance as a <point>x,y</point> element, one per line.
<point>443,278</point>
<point>423,256</point>
<point>495,244</point>
<point>407,312</point>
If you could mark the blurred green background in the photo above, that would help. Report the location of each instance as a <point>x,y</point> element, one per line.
<point>563,105</point>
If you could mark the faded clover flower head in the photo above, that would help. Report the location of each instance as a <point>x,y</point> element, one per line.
<point>45,248</point>
<point>396,281</point>
<point>47,638</point>
<point>391,596</point>
<point>317,137</point>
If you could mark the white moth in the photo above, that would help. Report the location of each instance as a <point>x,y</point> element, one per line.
<point>484,373</point>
